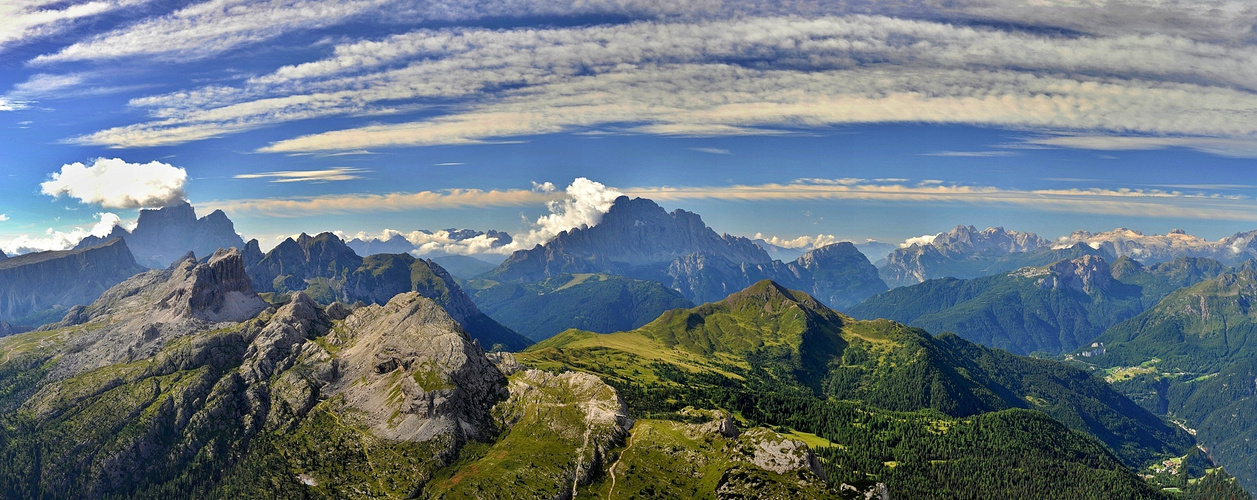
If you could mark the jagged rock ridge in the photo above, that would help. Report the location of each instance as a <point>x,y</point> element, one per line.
<point>329,270</point>
<point>965,252</point>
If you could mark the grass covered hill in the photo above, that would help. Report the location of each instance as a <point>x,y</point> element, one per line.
<point>767,345</point>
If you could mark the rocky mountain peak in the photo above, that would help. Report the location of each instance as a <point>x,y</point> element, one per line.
<point>1088,274</point>
<point>218,290</point>
<point>633,234</point>
<point>836,253</point>
<point>162,235</point>
<point>412,349</point>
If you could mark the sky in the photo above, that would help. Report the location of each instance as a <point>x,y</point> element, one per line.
<point>802,122</point>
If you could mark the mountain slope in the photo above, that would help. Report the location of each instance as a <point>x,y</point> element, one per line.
<point>37,288</point>
<point>1191,357</point>
<point>787,341</point>
<point>163,235</point>
<point>593,302</point>
<point>392,401</point>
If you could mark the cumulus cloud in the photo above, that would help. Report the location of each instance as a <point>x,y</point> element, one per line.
<point>60,240</point>
<point>4,217</point>
<point>805,242</point>
<point>584,205</point>
<point>544,187</point>
<point>114,183</point>
<point>922,240</point>
<point>436,243</point>
<point>328,175</point>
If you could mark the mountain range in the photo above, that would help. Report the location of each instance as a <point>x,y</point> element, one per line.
<point>637,239</point>
<point>1048,310</point>
<point>1154,248</point>
<point>311,370</point>
<point>185,382</point>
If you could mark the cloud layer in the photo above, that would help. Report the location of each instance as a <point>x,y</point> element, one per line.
<point>739,76</point>
<point>114,183</point>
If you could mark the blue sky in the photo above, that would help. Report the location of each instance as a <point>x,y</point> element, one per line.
<point>843,120</point>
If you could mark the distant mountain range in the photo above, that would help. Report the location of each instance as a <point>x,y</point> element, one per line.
<point>1231,250</point>
<point>164,235</point>
<point>1047,310</point>
<point>965,252</point>
<point>638,239</point>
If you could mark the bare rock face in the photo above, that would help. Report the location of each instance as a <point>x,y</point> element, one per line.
<point>218,290</point>
<point>1087,274</point>
<point>41,281</point>
<point>415,374</point>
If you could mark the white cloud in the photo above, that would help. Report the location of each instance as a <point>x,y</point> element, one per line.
<point>922,240</point>
<point>807,242</point>
<point>26,20</point>
<point>584,206</point>
<point>114,183</point>
<point>973,154</point>
<point>1222,146</point>
<point>212,27</point>
<point>678,78</point>
<point>714,151</point>
<point>435,243</point>
<point>1123,201</point>
<point>4,217</point>
<point>544,187</point>
<point>59,240</point>
<point>328,175</point>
